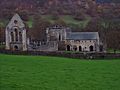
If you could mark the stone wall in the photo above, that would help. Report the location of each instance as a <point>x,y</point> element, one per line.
<point>45,46</point>
<point>84,44</point>
<point>78,55</point>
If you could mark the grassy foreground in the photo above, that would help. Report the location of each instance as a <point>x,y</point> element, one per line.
<point>53,73</point>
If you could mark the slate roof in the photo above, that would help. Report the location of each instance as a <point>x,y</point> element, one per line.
<point>82,36</point>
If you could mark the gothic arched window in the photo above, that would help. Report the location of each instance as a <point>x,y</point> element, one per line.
<point>59,37</point>
<point>15,21</point>
<point>20,36</point>
<point>12,37</point>
<point>16,34</point>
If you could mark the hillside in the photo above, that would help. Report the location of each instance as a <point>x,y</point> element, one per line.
<point>77,9</point>
<point>52,6</point>
<point>44,6</point>
<point>81,15</point>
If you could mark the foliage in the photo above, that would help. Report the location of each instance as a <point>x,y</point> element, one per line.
<point>68,20</point>
<point>113,51</point>
<point>39,28</point>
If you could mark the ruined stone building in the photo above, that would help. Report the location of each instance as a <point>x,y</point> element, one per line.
<point>58,38</point>
<point>16,34</point>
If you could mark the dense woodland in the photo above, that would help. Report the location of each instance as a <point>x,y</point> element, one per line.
<point>92,16</point>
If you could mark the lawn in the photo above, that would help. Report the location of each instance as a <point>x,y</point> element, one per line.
<point>53,73</point>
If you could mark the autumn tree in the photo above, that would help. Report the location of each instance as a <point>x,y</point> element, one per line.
<point>60,22</point>
<point>39,28</point>
<point>2,34</point>
<point>113,40</point>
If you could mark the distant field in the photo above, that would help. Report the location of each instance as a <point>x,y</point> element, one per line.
<point>53,73</point>
<point>69,20</point>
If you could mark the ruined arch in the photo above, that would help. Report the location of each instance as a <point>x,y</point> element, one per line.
<point>68,47</point>
<point>75,48</point>
<point>91,48</point>
<point>15,47</point>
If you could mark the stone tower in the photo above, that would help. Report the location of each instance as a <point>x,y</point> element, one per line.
<point>16,34</point>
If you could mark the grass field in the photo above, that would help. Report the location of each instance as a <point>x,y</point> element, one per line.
<point>53,73</point>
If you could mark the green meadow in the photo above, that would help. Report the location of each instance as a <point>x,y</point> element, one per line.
<point>55,73</point>
<point>69,20</point>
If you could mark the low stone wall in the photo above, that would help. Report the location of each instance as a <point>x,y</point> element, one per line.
<point>64,54</point>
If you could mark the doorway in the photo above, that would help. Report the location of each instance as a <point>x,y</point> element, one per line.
<point>91,48</point>
<point>15,47</point>
<point>68,47</point>
<point>80,48</point>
